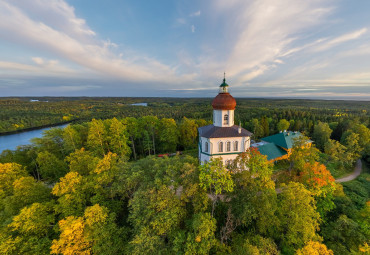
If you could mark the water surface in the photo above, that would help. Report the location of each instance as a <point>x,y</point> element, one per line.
<point>10,142</point>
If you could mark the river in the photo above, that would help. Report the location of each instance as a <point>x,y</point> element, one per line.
<point>10,142</point>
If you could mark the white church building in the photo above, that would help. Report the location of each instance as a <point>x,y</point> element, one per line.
<point>223,139</point>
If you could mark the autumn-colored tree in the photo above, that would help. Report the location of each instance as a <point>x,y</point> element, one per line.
<point>314,248</point>
<point>316,178</point>
<point>73,193</point>
<point>82,161</point>
<point>9,172</point>
<point>95,233</point>
<point>30,231</point>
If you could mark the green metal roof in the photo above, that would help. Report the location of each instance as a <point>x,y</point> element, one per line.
<point>271,151</point>
<point>224,84</point>
<point>284,139</point>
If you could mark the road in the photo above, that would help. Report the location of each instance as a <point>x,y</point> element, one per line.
<point>354,175</point>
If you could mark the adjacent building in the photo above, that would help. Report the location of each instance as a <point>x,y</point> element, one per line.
<point>223,139</point>
<point>277,147</point>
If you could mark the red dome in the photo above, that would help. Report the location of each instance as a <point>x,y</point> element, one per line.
<point>224,101</point>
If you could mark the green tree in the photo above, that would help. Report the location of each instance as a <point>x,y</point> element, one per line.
<point>199,237</point>
<point>155,215</point>
<point>299,220</point>
<point>26,191</point>
<point>302,152</point>
<point>117,138</point>
<point>253,201</point>
<point>265,126</point>
<point>168,134</point>
<point>321,134</point>
<point>51,168</point>
<point>72,138</point>
<point>188,133</point>
<point>257,129</point>
<point>97,137</point>
<point>282,125</point>
<point>215,179</point>
<point>82,161</point>
<point>353,147</point>
<point>133,132</point>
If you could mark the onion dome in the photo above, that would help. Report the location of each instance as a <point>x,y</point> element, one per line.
<point>224,101</point>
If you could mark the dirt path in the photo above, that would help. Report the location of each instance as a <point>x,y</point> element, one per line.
<point>354,175</point>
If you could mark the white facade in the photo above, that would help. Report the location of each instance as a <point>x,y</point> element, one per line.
<point>223,118</point>
<point>227,148</point>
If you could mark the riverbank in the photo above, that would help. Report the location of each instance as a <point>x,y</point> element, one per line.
<point>18,131</point>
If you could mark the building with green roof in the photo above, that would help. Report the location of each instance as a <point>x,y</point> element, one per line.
<point>278,146</point>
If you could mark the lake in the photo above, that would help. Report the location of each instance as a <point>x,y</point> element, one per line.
<point>10,142</point>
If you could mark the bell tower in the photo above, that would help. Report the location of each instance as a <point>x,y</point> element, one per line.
<point>223,107</point>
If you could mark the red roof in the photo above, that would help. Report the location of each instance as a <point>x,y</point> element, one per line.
<point>224,101</point>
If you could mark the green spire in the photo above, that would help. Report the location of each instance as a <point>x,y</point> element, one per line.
<point>224,84</point>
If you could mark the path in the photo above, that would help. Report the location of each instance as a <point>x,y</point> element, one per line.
<point>354,175</point>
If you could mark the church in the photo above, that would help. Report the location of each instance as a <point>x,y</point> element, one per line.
<point>223,139</point>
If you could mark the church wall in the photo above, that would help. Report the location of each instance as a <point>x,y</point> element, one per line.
<point>218,118</point>
<point>213,149</point>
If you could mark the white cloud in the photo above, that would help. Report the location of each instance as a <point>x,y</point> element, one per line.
<point>195,14</point>
<point>75,42</point>
<point>340,39</point>
<point>192,28</point>
<point>38,60</point>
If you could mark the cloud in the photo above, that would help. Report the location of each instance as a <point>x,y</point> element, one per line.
<point>38,60</point>
<point>58,31</point>
<point>340,39</point>
<point>181,21</point>
<point>192,28</point>
<point>195,14</point>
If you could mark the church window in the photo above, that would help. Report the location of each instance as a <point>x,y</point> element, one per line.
<point>220,147</point>
<point>228,145</point>
<point>236,146</point>
<point>206,147</point>
<point>226,119</point>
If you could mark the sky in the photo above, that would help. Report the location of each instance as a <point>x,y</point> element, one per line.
<point>181,48</point>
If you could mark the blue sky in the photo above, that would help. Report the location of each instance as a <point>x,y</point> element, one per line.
<point>268,48</point>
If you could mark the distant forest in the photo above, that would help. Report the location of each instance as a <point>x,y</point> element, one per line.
<point>20,113</point>
<point>98,186</point>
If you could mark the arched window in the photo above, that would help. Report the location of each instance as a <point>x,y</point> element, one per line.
<point>236,146</point>
<point>206,147</point>
<point>220,147</point>
<point>226,119</point>
<point>228,146</point>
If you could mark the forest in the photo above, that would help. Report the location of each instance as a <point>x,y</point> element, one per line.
<point>99,187</point>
